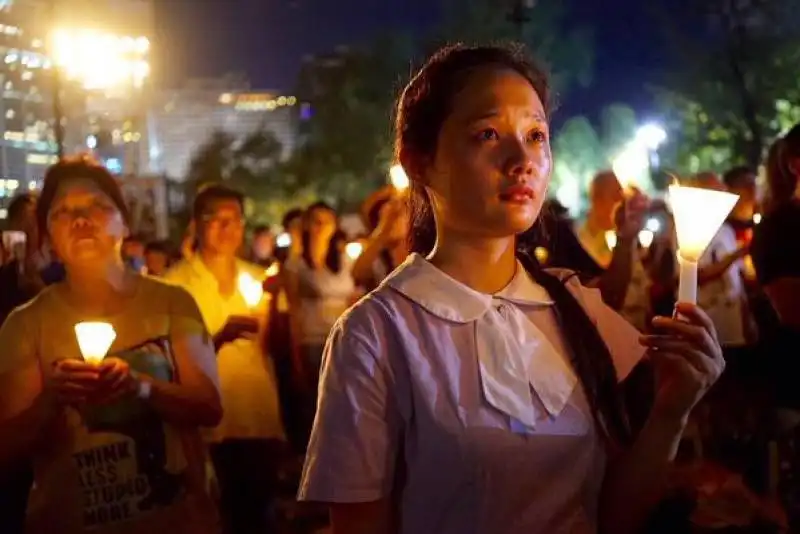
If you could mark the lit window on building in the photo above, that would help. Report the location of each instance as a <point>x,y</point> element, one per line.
<point>27,75</point>
<point>10,114</point>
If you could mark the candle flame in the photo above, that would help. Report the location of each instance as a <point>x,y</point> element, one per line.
<point>399,178</point>
<point>611,239</point>
<point>94,340</point>
<point>354,250</point>
<point>251,289</point>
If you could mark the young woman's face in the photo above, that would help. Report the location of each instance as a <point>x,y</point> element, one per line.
<point>493,162</point>
<point>84,224</point>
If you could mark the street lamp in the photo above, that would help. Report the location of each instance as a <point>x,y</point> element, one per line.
<point>97,61</point>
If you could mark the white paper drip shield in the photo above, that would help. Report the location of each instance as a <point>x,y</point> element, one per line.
<point>699,214</point>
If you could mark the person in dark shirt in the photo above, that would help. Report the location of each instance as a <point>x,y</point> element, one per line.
<point>21,279</point>
<point>561,245</point>
<point>776,248</point>
<point>776,256</point>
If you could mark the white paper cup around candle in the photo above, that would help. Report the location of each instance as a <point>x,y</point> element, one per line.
<point>354,250</point>
<point>698,214</point>
<point>94,340</point>
<point>251,289</point>
<point>399,177</point>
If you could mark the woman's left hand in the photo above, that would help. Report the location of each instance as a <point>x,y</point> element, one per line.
<point>116,380</point>
<point>687,358</point>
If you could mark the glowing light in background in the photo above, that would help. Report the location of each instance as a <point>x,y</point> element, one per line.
<point>100,60</point>
<point>283,240</point>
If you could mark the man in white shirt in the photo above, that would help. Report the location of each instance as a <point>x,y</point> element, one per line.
<point>245,444</point>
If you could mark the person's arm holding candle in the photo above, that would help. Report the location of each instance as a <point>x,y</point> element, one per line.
<point>687,360</point>
<point>193,399</point>
<point>363,272</point>
<point>613,283</point>
<point>31,401</point>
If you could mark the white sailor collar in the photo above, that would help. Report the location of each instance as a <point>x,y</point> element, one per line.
<point>449,299</point>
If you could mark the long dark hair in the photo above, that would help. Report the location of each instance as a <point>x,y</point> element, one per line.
<point>333,259</point>
<point>424,106</point>
<point>781,179</point>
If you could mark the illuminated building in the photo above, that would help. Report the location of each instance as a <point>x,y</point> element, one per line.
<point>26,105</point>
<point>185,119</point>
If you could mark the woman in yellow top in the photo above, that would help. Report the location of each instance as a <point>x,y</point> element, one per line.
<point>115,446</point>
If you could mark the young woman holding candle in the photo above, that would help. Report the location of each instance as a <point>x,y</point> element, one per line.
<point>319,285</point>
<point>473,392</point>
<point>116,447</point>
<point>385,214</point>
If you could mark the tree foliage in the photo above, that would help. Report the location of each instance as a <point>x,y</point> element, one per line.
<point>722,102</point>
<point>566,53</point>
<point>580,150</point>
<point>251,164</point>
<point>346,146</point>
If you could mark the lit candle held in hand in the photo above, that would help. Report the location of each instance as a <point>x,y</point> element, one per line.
<point>699,214</point>
<point>354,250</point>
<point>94,340</point>
<point>399,178</point>
<point>251,289</point>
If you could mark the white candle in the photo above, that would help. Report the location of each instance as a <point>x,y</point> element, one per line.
<point>94,340</point>
<point>698,215</point>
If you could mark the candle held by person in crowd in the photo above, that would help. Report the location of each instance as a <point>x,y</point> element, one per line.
<point>94,340</point>
<point>399,177</point>
<point>251,289</point>
<point>354,249</point>
<point>699,214</point>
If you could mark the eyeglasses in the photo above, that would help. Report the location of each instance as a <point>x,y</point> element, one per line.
<point>66,214</point>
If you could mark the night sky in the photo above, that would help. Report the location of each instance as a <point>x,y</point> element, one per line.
<point>267,39</point>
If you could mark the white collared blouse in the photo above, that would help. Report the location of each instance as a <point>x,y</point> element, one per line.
<point>420,392</point>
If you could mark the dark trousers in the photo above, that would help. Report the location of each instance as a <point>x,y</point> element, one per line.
<point>15,484</point>
<point>246,473</point>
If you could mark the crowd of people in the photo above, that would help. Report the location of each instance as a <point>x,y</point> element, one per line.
<point>481,363</point>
